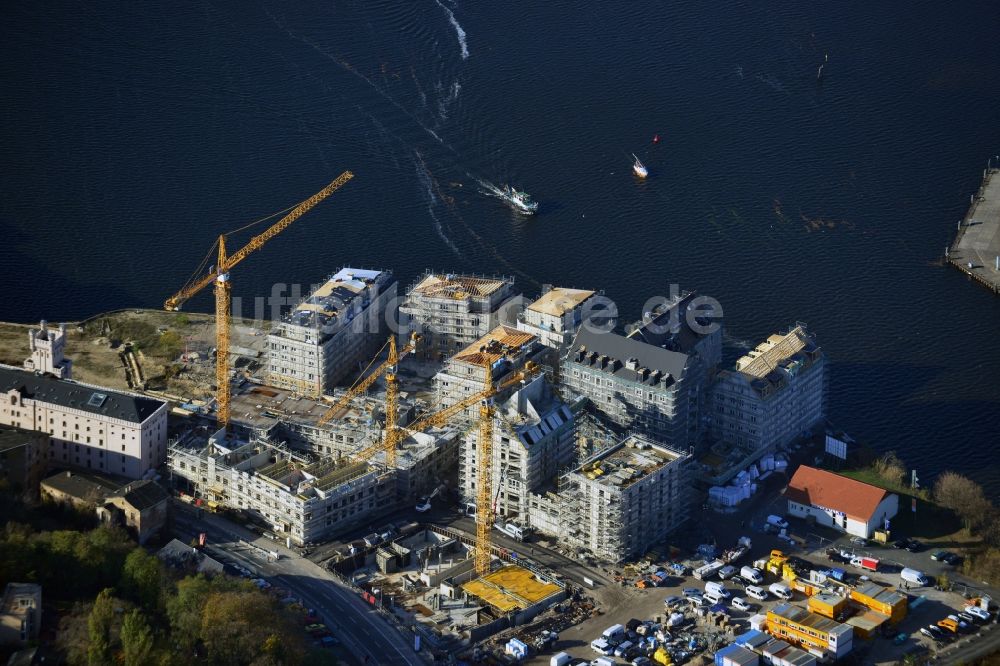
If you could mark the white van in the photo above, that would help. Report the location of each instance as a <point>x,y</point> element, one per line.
<point>711,598</point>
<point>758,593</point>
<point>623,649</point>
<point>781,591</point>
<point>601,646</point>
<point>777,521</point>
<point>727,571</point>
<point>560,659</point>
<point>716,589</point>
<point>753,575</point>
<point>739,603</point>
<point>614,633</point>
<point>603,661</point>
<point>913,576</point>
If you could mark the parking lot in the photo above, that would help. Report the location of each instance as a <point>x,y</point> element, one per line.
<point>927,605</point>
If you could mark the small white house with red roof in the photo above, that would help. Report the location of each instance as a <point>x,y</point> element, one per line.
<point>839,502</point>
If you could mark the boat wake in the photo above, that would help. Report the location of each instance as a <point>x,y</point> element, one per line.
<point>427,180</point>
<point>458,30</point>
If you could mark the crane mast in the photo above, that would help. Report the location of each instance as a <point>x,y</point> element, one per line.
<point>219,275</point>
<point>484,478</point>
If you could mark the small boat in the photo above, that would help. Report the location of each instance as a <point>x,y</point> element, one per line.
<point>519,201</point>
<point>639,168</point>
<point>656,138</point>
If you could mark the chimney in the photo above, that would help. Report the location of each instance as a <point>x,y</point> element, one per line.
<point>632,364</point>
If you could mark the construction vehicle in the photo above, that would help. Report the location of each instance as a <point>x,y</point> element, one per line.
<point>219,275</point>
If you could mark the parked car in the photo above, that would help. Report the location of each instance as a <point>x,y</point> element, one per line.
<point>777,521</point>
<point>914,546</point>
<point>672,600</point>
<point>900,544</point>
<point>977,612</point>
<point>696,600</point>
<point>423,504</point>
<point>953,559</point>
<point>940,555</point>
<point>691,592</point>
<point>727,571</point>
<point>739,603</point>
<point>860,542</point>
<point>933,632</point>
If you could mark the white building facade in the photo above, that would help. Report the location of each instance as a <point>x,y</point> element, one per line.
<point>89,427</point>
<point>324,338</point>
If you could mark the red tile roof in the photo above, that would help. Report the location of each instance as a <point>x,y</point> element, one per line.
<point>811,486</point>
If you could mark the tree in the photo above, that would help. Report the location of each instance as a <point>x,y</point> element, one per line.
<point>142,579</point>
<point>891,469</point>
<point>245,627</point>
<point>102,615</point>
<point>965,497</point>
<point>136,639</point>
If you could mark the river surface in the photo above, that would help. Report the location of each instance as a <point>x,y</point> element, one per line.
<point>134,133</point>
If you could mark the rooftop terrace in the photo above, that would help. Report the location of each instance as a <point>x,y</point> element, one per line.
<point>560,300</point>
<point>633,459</point>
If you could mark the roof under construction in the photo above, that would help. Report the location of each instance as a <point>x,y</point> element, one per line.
<point>768,355</point>
<point>560,300</point>
<point>458,287</point>
<point>500,342</point>
<point>510,588</point>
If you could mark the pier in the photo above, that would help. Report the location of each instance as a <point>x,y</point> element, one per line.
<point>976,249</point>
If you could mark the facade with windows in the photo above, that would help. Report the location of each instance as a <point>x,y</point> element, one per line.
<point>324,338</point>
<point>89,427</point>
<point>452,311</point>
<point>635,385</point>
<point>775,395</point>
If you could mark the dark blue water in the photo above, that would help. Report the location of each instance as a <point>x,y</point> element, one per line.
<point>132,136</point>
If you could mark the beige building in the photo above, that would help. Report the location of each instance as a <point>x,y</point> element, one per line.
<point>20,613</point>
<point>326,336</point>
<point>505,348</point>
<point>84,492</point>
<point>557,315</point>
<point>141,507</point>
<point>452,311</point>
<point>47,352</point>
<point>619,502</point>
<point>533,442</point>
<point>774,395</point>
<point>89,427</point>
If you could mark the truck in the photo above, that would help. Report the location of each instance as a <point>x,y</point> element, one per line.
<point>869,563</point>
<point>514,530</point>
<point>708,570</point>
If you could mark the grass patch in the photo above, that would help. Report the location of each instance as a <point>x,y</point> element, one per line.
<point>929,522</point>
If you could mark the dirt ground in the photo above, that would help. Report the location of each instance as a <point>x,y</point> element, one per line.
<point>174,349</point>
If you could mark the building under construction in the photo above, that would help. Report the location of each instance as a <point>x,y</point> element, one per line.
<point>307,497</point>
<point>451,311</point>
<point>619,502</point>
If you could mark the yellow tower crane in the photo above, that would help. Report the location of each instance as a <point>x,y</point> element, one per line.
<point>219,275</point>
<point>484,476</point>
<point>365,383</point>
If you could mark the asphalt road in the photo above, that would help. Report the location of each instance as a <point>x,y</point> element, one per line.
<point>353,621</point>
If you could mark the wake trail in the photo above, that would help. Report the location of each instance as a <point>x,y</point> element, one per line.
<point>425,178</point>
<point>459,32</point>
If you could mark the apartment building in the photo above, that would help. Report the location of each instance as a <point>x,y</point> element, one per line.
<point>774,395</point>
<point>89,427</point>
<point>556,316</point>
<point>506,349</point>
<point>307,497</point>
<point>452,311</point>
<point>619,502</point>
<point>325,337</point>
<point>634,384</point>
<point>688,324</point>
<point>533,441</point>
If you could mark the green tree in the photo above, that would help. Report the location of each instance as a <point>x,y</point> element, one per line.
<point>245,627</point>
<point>142,579</point>
<point>136,639</point>
<point>965,497</point>
<point>102,615</point>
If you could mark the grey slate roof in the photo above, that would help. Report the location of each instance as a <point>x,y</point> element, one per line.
<point>621,349</point>
<point>657,331</point>
<point>66,393</point>
<point>143,494</point>
<point>83,487</point>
